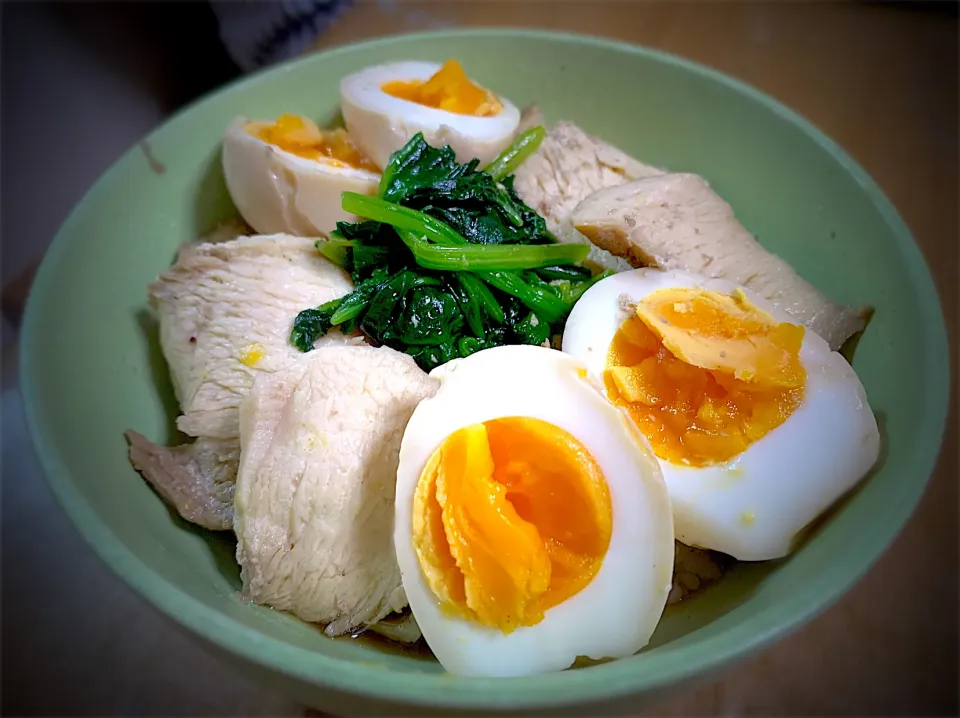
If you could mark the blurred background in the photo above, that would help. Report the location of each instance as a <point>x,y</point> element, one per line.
<point>82,81</point>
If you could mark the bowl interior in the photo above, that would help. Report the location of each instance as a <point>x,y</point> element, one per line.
<point>92,366</point>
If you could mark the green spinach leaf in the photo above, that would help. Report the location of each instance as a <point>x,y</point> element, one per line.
<point>531,329</point>
<point>424,285</point>
<point>480,208</point>
<point>431,357</point>
<point>311,324</point>
<point>432,317</point>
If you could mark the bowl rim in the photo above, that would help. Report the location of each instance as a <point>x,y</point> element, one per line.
<point>568,688</point>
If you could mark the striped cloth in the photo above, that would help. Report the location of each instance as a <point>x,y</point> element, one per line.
<point>258,33</point>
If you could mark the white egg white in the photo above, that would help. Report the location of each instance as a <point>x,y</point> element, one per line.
<point>381,124</point>
<point>276,191</point>
<point>753,506</point>
<point>615,615</point>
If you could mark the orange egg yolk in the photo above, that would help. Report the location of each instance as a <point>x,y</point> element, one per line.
<point>449,89</point>
<point>300,136</point>
<point>704,374</point>
<point>511,517</point>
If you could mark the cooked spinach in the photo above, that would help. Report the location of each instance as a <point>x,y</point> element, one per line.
<point>531,330</point>
<point>311,324</point>
<point>448,261</point>
<point>432,317</point>
<point>512,157</point>
<point>575,273</point>
<point>481,209</point>
<point>470,307</point>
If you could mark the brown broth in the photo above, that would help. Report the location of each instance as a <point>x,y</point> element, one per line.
<point>419,650</point>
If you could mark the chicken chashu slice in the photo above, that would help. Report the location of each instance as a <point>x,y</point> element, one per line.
<point>197,478</point>
<point>314,500</point>
<point>568,166</point>
<point>225,312</point>
<point>676,221</point>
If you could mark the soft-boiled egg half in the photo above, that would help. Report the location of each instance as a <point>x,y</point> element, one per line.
<point>287,176</point>
<point>532,522</point>
<point>758,426</point>
<point>386,105</point>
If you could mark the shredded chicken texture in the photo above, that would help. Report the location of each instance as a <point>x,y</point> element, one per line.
<point>314,500</point>
<point>676,221</point>
<point>568,166</point>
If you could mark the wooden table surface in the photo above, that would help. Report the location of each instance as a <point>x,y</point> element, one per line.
<point>882,82</point>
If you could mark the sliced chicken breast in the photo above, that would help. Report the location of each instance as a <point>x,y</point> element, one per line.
<point>314,499</point>
<point>226,310</point>
<point>676,221</point>
<point>568,166</point>
<point>196,478</point>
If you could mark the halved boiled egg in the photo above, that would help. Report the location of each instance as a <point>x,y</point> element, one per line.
<point>758,426</point>
<point>532,522</point>
<point>386,105</point>
<point>287,176</point>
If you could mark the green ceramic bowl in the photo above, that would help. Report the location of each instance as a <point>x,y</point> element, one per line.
<point>92,367</point>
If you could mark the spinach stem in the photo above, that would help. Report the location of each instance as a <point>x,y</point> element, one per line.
<point>478,291</point>
<point>546,304</point>
<point>401,217</point>
<point>519,150</point>
<point>486,258</point>
<point>451,251</point>
<point>335,249</point>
